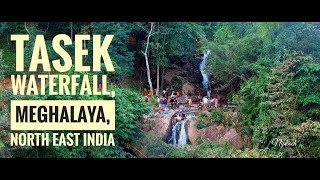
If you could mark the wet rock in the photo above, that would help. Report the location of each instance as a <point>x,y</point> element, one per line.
<point>178,119</point>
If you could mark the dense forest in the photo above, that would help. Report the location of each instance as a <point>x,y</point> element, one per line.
<point>269,70</point>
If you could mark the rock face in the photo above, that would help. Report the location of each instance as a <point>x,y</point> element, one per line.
<point>183,99</point>
<point>232,136</point>
<point>216,133</point>
<point>170,74</point>
<point>159,123</point>
<point>183,75</point>
<point>192,131</point>
<point>188,88</point>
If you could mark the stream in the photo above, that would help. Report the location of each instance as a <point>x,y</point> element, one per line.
<point>178,134</point>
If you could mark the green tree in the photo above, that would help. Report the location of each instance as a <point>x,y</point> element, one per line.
<point>119,48</point>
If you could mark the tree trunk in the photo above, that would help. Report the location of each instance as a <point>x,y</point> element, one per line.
<point>158,79</point>
<point>162,77</point>
<point>148,74</point>
<point>71,31</point>
<point>145,53</point>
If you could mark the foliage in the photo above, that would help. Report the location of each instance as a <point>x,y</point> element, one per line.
<point>155,147</point>
<point>6,61</point>
<point>234,48</point>
<point>216,116</point>
<point>202,121</point>
<point>153,101</point>
<point>119,48</point>
<point>208,119</point>
<point>176,83</point>
<point>129,110</point>
<point>200,124</point>
<point>4,120</point>
<point>272,107</point>
<point>214,150</point>
<point>272,70</point>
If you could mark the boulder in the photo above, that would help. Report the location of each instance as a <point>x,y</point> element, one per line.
<point>233,137</point>
<point>159,123</point>
<point>192,131</point>
<point>212,133</point>
<point>216,133</point>
<point>170,74</point>
<point>188,88</point>
<point>182,99</point>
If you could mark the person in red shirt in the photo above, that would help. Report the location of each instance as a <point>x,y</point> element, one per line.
<point>144,92</point>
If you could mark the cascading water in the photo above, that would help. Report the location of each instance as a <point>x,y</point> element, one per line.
<point>205,82</point>
<point>183,139</point>
<point>178,132</point>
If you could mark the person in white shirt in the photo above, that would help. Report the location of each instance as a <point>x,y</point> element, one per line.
<point>205,102</point>
<point>212,103</point>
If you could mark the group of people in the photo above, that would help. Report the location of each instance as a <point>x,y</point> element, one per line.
<point>163,99</point>
<point>204,102</point>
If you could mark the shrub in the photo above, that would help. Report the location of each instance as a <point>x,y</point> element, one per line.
<point>200,124</point>
<point>216,116</point>
<point>202,121</point>
<point>155,147</point>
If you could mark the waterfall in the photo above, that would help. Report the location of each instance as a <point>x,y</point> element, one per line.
<point>205,82</point>
<point>183,139</point>
<point>178,132</point>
